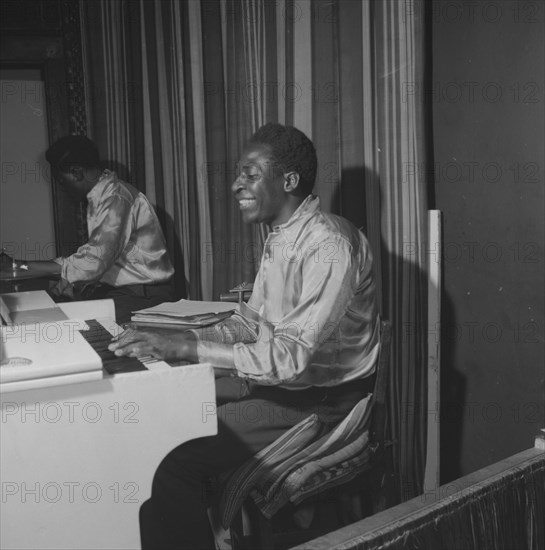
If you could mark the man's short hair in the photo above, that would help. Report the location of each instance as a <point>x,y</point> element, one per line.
<point>293,150</point>
<point>72,151</point>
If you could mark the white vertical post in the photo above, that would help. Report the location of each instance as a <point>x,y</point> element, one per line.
<point>432,471</point>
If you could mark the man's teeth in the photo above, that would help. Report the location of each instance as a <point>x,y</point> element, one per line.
<point>244,203</point>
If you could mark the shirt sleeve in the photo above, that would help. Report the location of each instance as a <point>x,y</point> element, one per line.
<point>106,242</point>
<point>215,343</point>
<point>284,350</point>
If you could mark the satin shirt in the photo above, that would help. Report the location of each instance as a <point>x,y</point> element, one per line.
<point>312,319</point>
<point>126,244</point>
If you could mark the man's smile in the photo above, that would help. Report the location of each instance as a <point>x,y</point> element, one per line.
<point>246,203</point>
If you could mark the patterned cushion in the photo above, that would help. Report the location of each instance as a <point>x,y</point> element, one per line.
<point>334,475</point>
<point>348,440</point>
<point>244,478</point>
<point>298,463</point>
<point>297,478</point>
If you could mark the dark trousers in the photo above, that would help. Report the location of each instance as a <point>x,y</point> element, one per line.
<point>134,297</point>
<point>249,418</point>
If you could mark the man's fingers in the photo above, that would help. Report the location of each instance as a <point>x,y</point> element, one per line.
<point>131,349</point>
<point>135,343</point>
<point>135,351</point>
<point>129,332</point>
<point>126,338</point>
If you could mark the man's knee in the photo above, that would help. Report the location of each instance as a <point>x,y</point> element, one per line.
<point>230,389</point>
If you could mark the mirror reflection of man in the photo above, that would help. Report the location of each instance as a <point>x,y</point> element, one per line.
<point>125,257</point>
<point>306,342</point>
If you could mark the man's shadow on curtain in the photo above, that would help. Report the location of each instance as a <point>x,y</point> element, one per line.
<point>349,198</point>
<point>167,225</point>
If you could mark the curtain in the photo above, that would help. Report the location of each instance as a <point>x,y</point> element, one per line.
<point>402,156</point>
<point>354,73</point>
<point>145,88</point>
<point>236,41</point>
<point>178,86</point>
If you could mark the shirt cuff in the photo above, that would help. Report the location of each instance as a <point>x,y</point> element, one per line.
<point>218,355</point>
<point>210,334</point>
<point>63,262</point>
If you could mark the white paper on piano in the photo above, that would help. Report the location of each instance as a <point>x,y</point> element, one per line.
<point>40,350</point>
<point>89,309</point>
<point>24,301</point>
<point>35,306</point>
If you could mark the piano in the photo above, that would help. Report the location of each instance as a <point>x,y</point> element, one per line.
<point>61,347</point>
<point>77,459</point>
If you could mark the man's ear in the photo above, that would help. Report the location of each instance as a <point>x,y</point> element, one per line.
<point>291,181</point>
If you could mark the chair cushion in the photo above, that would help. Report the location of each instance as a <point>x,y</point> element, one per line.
<point>298,478</point>
<point>300,462</point>
<point>337,474</point>
<point>240,483</point>
<point>333,454</point>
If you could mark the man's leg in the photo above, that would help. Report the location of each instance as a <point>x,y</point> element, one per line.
<point>175,516</point>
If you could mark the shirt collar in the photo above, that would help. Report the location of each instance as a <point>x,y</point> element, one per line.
<point>305,209</point>
<point>105,178</point>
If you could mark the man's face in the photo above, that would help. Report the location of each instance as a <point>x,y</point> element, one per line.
<point>73,183</point>
<point>259,188</point>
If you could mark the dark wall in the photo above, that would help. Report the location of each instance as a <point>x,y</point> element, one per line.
<point>487,93</point>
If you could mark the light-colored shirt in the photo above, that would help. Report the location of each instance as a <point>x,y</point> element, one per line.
<point>312,318</point>
<point>126,244</point>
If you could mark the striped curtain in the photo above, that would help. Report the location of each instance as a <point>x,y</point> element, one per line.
<point>346,73</point>
<point>350,71</point>
<point>403,148</point>
<point>145,89</point>
<point>178,86</point>
<point>175,88</point>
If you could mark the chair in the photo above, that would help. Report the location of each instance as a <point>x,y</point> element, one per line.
<point>301,471</point>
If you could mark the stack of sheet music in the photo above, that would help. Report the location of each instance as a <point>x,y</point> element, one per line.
<point>189,313</point>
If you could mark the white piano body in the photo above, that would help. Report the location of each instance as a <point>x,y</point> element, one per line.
<point>77,460</point>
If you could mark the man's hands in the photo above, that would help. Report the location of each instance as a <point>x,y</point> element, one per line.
<point>164,344</point>
<point>48,266</point>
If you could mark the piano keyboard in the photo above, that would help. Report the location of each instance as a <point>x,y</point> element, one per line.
<point>99,338</point>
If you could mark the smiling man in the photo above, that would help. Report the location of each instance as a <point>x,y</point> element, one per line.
<point>125,257</point>
<point>306,342</point>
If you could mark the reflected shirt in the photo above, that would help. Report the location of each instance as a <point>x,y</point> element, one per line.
<point>126,244</point>
<point>312,318</point>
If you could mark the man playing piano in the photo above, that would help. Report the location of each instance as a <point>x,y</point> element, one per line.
<point>306,342</point>
<point>125,258</point>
